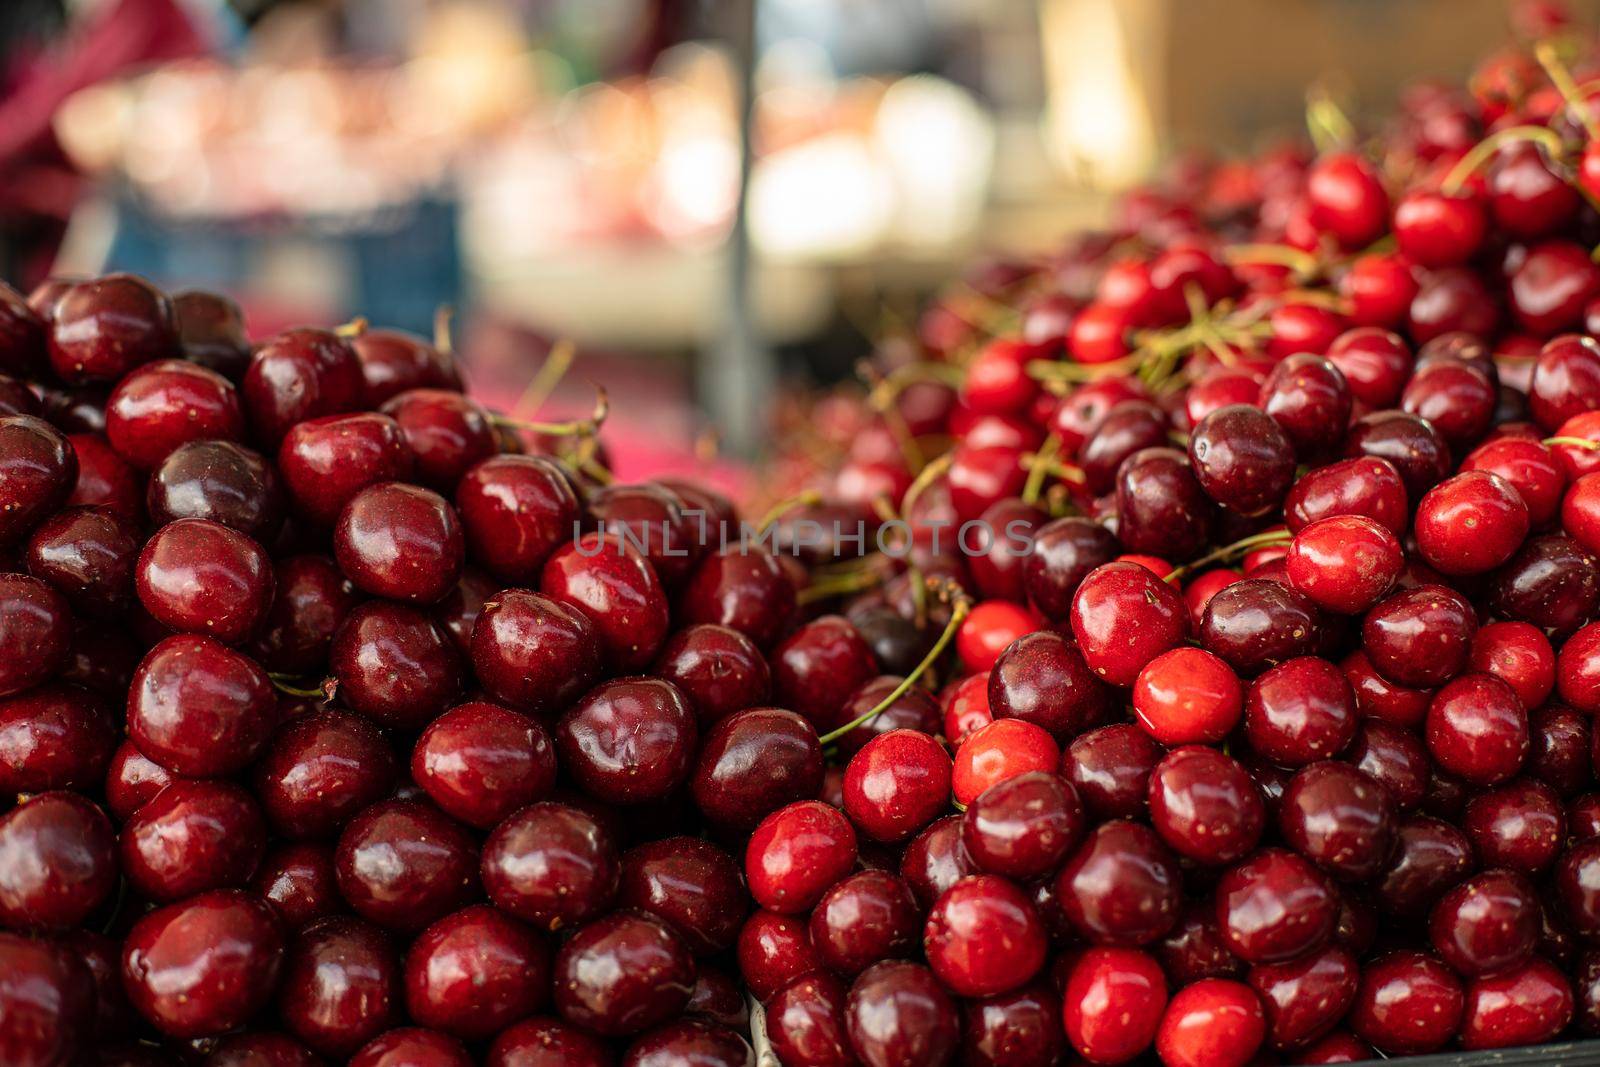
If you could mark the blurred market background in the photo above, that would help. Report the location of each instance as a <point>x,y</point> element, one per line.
<point>575,168</point>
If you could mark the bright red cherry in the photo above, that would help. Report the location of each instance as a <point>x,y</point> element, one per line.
<point>1123,616</point>
<point>796,854</point>
<point>1114,1001</point>
<point>896,784</point>
<point>1345,563</point>
<point>1215,1022</point>
<point>999,751</point>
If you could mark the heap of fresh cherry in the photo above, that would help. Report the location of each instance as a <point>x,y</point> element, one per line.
<point>343,720</point>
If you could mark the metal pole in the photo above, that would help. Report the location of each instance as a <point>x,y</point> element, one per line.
<point>738,374</point>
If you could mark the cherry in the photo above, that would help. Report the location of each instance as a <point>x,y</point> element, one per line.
<point>718,669</point>
<point>211,332</point>
<point>319,770</point>
<point>165,405</point>
<point>1110,769</point>
<point>1520,825</point>
<point>816,668</point>
<point>1064,552</point>
<point>1308,398</point>
<point>1113,1004</point>
<point>298,881</point>
<point>447,433</point>
<point>38,470</point>
<point>193,836</point>
<point>619,592</point>
<point>1437,229</point>
<point>1519,655</point>
<point>475,972</point>
<point>1527,1005</point>
<point>1529,467</point>
<point>1043,680</point>
<point>1023,827</point>
<point>999,751</point>
<point>533,652</point>
<point>410,1046</point>
<point>899,1013</point>
<point>692,886</point>
<point>936,859</point>
<point>545,1042</point>
<point>199,709</point>
<point>402,864</point>
<point>203,966</point>
<point>1305,998</point>
<point>480,762</point>
<point>1243,459</point>
<point>1214,1021</point>
<point>1338,817</point>
<point>689,1041</point>
<point>1205,806</point>
<point>1552,583</point>
<point>629,741</point>
<point>1420,636</point>
<point>219,481</point>
<point>341,985</point>
<point>1476,729</point>
<point>325,462</point>
<point>1129,427</point>
<point>795,854</point>
<point>1012,1029</point>
<point>1347,201</point>
<point>1566,380</point>
<point>54,736</point>
<point>622,974</point>
<point>1274,906</point>
<point>983,937</point>
<point>48,998</point>
<point>552,865</point>
<point>1486,924</point>
<point>61,862</point>
<point>1299,712</point>
<point>22,334</point>
<point>1256,623</point>
<point>104,479</point>
<point>1121,886</point>
<point>1409,443</point>
<point>394,665</point>
<point>1123,616</point>
<point>989,629</point>
<point>773,951</point>
<point>1161,508</point>
<point>1194,948</point>
<point>1394,757</point>
<point>1429,857</point>
<point>1548,290</point>
<point>300,374</point>
<point>103,328</point>
<point>311,598</point>
<point>806,1023</point>
<point>393,361</point>
<point>867,917</point>
<point>1560,749</point>
<point>400,541</point>
<point>1452,300</point>
<point>35,632</point>
<point>896,784</point>
<point>200,577</point>
<point>1470,523</point>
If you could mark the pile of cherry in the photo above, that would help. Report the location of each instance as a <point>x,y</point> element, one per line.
<point>344,721</point>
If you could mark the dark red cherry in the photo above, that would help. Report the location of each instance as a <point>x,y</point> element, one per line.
<point>1420,636</point>
<point>816,668</point>
<point>198,708</point>
<point>475,972</point>
<point>1299,712</point>
<point>192,837</point>
<point>629,741</point>
<point>1527,1005</point>
<point>1044,680</point>
<point>219,481</point>
<point>534,653</point>
<point>898,1013</point>
<point>806,1023</point>
<point>104,479</point>
<point>1429,856</point>
<point>652,519</point>
<point>63,862</point>
<point>479,762</point>
<point>341,985</point>
<point>394,664</point>
<point>1064,552</point>
<point>325,462</point>
<point>54,736</point>
<point>691,885</point>
<point>1161,508</point>
<point>1520,825</point>
<point>1306,997</point>
<point>447,432</point>
<point>774,950</point>
<point>744,590</point>
<point>300,374</point>
<point>1121,886</point>
<point>393,361</point>
<point>1308,398</point>
<point>935,860</point>
<point>86,554</point>
<point>1274,906</point>
<point>1204,805</point>
<point>867,917</point>
<point>298,881</point>
<point>203,966</point>
<point>1407,1003</point>
<point>1256,623</point>
<point>1110,768</point>
<point>321,769</point>
<point>402,864</point>
<point>1394,757</point>
<point>103,328</point>
<point>23,332</point>
<point>546,1042</point>
<point>622,974</point>
<point>551,865</point>
<point>211,332</point>
<point>754,762</point>
<point>1552,583</point>
<point>47,1002</point>
<point>618,590</point>
<point>1023,827</point>
<point>411,1046</point>
<point>718,669</point>
<point>35,632</point>
<point>515,510</point>
<point>1242,458</point>
<point>1487,923</point>
<point>38,469</point>
<point>1365,486</point>
<point>1339,818</point>
<point>200,577</point>
<point>162,406</point>
<point>1408,442</point>
<point>311,598</point>
<point>400,541</point>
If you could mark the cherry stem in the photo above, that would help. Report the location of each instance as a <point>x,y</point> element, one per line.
<point>285,683</point>
<point>958,612</point>
<point>555,367</point>
<point>1298,260</point>
<point>352,329</point>
<point>1574,442</point>
<point>808,499</point>
<point>1484,150</point>
<point>572,428</point>
<point>1330,128</point>
<point>1239,547</point>
<point>441,329</point>
<point>859,580</point>
<point>1561,78</point>
<point>1040,469</point>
